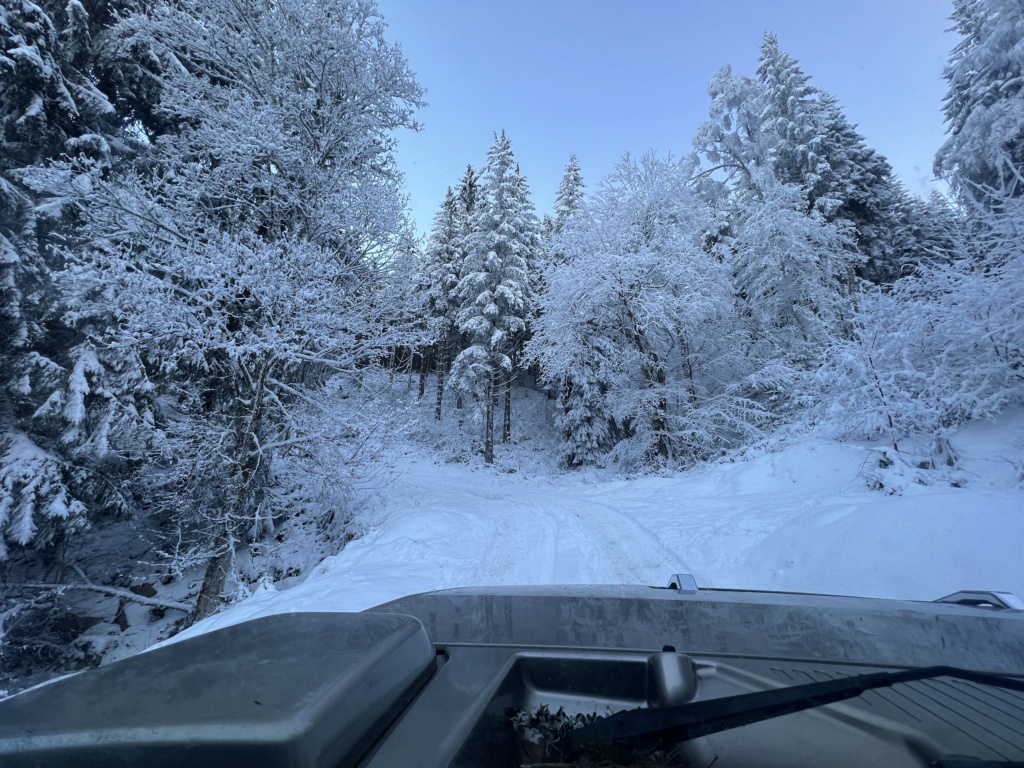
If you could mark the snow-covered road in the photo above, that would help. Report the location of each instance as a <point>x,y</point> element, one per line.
<point>802,519</point>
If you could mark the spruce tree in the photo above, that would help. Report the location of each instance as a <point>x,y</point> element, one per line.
<point>495,287</point>
<point>810,143</point>
<point>569,197</point>
<point>790,120</point>
<point>440,277</point>
<point>984,156</point>
<point>63,402</point>
<point>781,123</point>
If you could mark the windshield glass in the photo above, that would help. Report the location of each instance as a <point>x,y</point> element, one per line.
<point>312,305</point>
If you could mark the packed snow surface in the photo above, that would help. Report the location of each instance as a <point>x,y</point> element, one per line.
<point>799,519</point>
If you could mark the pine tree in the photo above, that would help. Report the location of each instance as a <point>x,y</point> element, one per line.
<point>867,195</point>
<point>440,277</point>
<point>569,197</point>
<point>791,120</point>
<point>63,404</point>
<point>495,287</point>
<point>568,203</point>
<point>984,106</point>
<point>813,145</point>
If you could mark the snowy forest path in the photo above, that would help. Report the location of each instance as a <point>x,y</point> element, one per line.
<point>464,526</point>
<point>800,520</point>
<point>596,539</point>
<point>571,541</point>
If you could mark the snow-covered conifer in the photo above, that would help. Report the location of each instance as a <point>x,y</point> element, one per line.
<point>439,278</point>
<point>568,203</point>
<point>495,288</point>
<point>790,118</point>
<point>810,143</point>
<point>985,102</point>
<point>62,407</point>
<point>569,197</point>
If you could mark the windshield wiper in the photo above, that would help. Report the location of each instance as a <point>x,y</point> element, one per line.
<point>683,722</point>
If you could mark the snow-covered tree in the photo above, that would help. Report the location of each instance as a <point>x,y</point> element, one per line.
<point>495,288</point>
<point>813,145</point>
<point>569,197</point>
<point>946,344</point>
<point>793,271</point>
<point>249,260</point>
<point>731,139</point>
<point>869,197</point>
<point>782,123</point>
<point>568,203</point>
<point>577,354</point>
<point>792,125</point>
<point>439,277</point>
<point>985,103</point>
<point>61,405</point>
<point>639,320</point>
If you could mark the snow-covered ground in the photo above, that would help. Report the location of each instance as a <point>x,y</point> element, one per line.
<point>800,519</point>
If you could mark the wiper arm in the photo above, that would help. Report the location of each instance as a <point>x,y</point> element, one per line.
<point>700,718</point>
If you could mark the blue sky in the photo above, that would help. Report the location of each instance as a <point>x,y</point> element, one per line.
<point>600,78</point>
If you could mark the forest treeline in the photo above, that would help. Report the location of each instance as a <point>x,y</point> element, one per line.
<point>203,245</point>
<point>779,275</point>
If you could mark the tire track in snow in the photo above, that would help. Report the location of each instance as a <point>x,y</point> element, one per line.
<point>518,533</point>
<point>579,541</point>
<point>522,549</point>
<point>621,546</point>
<point>716,533</point>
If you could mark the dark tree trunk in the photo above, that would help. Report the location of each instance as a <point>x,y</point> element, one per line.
<point>248,489</point>
<point>506,432</point>
<point>660,421</point>
<point>441,363</point>
<point>424,365</point>
<point>214,580</point>
<point>654,371</point>
<point>492,396</point>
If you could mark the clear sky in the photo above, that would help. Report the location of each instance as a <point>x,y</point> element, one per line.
<point>600,78</point>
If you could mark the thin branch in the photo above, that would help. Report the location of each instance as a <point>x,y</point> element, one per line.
<point>113,592</point>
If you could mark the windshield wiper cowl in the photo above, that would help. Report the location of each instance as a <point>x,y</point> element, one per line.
<point>683,722</point>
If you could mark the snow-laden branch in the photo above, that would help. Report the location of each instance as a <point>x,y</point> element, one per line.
<point>111,591</point>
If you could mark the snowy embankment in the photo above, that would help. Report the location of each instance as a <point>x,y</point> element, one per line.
<point>802,519</point>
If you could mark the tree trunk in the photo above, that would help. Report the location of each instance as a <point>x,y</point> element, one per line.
<point>215,579</point>
<point>660,421</point>
<point>688,365</point>
<point>246,501</point>
<point>654,371</point>
<point>423,374</point>
<point>492,396</point>
<point>506,432</point>
<point>441,362</point>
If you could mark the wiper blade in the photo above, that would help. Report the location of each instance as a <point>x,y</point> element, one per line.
<point>692,720</point>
